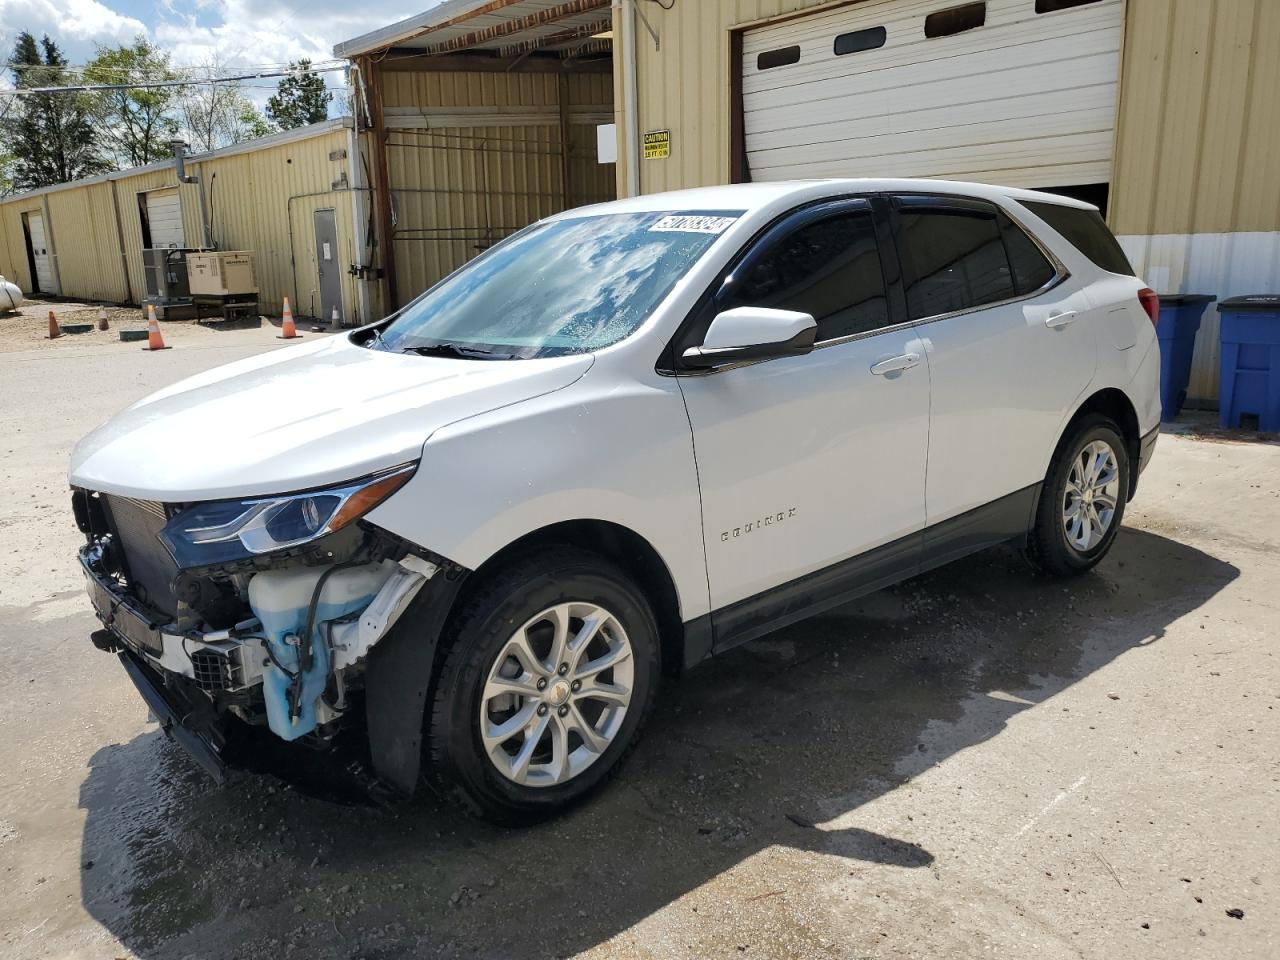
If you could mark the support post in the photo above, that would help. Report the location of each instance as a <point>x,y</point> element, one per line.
<point>382,185</point>
<point>563,90</point>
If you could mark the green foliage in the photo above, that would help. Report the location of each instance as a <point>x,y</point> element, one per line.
<point>300,98</point>
<point>52,137</point>
<point>136,124</point>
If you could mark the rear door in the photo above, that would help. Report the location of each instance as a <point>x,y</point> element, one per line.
<point>808,464</point>
<point>1010,346</point>
<point>40,254</point>
<point>164,216</point>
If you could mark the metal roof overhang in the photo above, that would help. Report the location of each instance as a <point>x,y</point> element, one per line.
<point>496,28</point>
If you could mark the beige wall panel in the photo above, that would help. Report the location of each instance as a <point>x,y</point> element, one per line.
<point>458,190</point>
<point>89,261</point>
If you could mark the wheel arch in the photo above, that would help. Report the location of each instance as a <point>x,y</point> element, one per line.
<point>1114,404</point>
<point>634,554</point>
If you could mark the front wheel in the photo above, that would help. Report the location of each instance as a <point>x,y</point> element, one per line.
<point>1082,500</point>
<point>552,667</point>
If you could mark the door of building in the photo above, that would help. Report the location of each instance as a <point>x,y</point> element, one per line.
<point>328,265</point>
<point>41,264</point>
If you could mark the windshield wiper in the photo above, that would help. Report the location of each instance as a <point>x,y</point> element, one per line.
<point>444,348</point>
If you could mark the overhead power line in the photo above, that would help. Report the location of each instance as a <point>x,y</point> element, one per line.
<point>153,84</point>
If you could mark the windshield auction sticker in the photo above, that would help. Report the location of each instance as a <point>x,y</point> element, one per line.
<point>687,223</point>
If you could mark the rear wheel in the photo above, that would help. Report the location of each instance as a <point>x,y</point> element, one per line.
<point>551,670</point>
<point>1083,499</point>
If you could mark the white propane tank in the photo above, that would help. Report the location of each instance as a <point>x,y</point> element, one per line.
<point>10,295</point>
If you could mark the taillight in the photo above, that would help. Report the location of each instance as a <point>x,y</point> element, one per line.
<point>1150,303</point>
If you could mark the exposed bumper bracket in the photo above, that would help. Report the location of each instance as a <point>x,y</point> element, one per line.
<point>170,715</point>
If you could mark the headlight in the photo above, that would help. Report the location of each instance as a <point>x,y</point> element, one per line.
<point>228,530</point>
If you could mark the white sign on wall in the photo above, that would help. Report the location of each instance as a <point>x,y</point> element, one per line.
<point>607,143</point>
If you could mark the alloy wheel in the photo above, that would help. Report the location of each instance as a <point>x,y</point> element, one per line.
<point>556,694</point>
<point>1091,495</point>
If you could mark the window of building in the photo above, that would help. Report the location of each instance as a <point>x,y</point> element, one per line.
<point>860,40</point>
<point>955,259</point>
<point>1049,6</point>
<point>1086,231</point>
<point>1031,268</point>
<point>783,56</point>
<point>945,23</point>
<point>829,268</point>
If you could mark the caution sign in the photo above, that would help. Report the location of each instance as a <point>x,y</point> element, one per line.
<point>657,145</point>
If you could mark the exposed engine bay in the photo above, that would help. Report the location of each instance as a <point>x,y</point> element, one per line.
<point>277,640</point>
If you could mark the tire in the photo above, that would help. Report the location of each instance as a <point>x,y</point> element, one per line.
<point>493,642</point>
<point>1064,549</point>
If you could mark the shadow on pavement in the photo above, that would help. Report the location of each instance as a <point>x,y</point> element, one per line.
<point>752,753</point>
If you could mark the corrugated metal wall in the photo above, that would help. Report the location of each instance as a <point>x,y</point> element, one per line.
<point>259,199</point>
<point>1198,136</point>
<point>457,190</point>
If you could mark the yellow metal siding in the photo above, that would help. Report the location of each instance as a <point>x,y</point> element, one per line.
<point>11,222</point>
<point>88,253</point>
<point>458,190</point>
<point>1196,140</point>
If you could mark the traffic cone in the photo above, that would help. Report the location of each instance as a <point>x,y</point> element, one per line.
<point>154,340</point>
<point>102,319</point>
<point>287,330</point>
<point>55,331</point>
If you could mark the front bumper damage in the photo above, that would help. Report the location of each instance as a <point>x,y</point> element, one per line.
<point>358,670</point>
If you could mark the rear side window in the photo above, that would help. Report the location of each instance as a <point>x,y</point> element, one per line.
<point>1086,231</point>
<point>1031,268</point>
<point>954,258</point>
<point>829,268</point>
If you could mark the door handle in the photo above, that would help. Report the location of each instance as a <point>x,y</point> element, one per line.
<point>894,364</point>
<point>1056,320</point>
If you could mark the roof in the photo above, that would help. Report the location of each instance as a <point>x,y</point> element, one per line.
<point>248,146</point>
<point>504,28</point>
<point>749,197</point>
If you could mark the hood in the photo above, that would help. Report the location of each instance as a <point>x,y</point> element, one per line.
<point>298,417</point>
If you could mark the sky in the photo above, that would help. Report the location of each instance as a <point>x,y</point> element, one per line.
<point>235,32</point>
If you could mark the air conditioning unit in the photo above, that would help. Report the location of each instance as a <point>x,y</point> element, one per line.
<point>221,273</point>
<point>165,274</point>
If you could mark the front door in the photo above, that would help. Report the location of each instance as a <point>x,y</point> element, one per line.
<point>328,266</point>
<point>811,468</point>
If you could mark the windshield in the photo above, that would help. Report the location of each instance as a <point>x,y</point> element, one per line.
<point>569,286</point>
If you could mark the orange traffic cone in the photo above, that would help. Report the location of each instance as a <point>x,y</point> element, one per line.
<point>102,319</point>
<point>55,331</point>
<point>154,340</point>
<point>287,330</point>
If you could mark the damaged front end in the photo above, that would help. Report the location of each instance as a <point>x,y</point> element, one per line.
<point>273,612</point>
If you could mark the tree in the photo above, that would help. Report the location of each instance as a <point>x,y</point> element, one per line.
<point>136,124</point>
<point>52,138</point>
<point>300,98</point>
<point>219,114</point>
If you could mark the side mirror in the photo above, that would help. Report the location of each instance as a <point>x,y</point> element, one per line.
<point>752,333</point>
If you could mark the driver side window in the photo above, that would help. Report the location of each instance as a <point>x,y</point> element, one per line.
<point>829,268</point>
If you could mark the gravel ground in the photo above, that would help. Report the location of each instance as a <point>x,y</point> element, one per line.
<point>977,763</point>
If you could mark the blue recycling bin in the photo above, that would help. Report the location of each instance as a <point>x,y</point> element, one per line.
<point>1250,385</point>
<point>1180,316</point>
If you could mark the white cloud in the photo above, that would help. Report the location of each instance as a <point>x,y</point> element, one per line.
<point>76,24</point>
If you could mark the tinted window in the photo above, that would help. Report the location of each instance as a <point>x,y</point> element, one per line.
<point>1031,268</point>
<point>859,40</point>
<point>944,23</point>
<point>781,57</point>
<point>829,268</point>
<point>1086,231</point>
<point>954,258</point>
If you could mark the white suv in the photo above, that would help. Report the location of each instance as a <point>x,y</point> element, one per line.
<point>624,439</point>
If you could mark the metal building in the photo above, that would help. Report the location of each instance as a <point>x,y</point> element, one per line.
<point>479,117</point>
<point>1160,111</point>
<point>287,198</point>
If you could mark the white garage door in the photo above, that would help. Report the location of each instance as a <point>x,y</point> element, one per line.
<point>164,217</point>
<point>1002,93</point>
